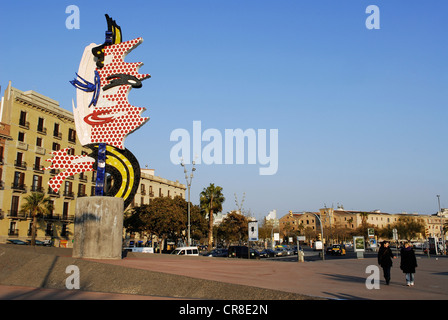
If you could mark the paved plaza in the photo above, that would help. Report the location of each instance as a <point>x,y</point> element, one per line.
<point>330,279</point>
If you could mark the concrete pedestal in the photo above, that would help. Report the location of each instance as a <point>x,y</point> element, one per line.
<point>98,228</point>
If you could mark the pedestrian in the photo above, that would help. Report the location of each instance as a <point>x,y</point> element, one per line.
<point>408,263</point>
<point>385,257</point>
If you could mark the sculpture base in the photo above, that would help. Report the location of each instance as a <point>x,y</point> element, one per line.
<point>98,228</point>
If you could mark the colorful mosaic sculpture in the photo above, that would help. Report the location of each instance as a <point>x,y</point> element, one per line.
<point>104,117</point>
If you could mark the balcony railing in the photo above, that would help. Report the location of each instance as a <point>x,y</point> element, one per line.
<point>68,218</point>
<point>37,189</point>
<point>68,194</point>
<point>15,214</point>
<point>24,124</point>
<point>52,217</point>
<point>18,187</point>
<point>13,232</point>
<point>20,164</point>
<point>38,168</point>
<point>41,130</point>
<point>51,193</point>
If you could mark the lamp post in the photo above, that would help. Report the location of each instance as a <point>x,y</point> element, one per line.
<point>441,226</point>
<point>322,233</point>
<point>188,180</point>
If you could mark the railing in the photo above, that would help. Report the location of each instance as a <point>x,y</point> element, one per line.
<point>20,164</point>
<point>13,232</point>
<point>18,187</point>
<point>37,189</point>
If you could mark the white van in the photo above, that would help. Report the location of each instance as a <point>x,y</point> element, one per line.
<point>186,251</point>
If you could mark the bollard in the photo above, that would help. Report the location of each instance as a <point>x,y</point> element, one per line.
<point>301,256</point>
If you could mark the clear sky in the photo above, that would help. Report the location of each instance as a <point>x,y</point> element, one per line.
<point>361,114</point>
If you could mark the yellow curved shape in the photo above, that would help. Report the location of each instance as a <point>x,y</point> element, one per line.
<point>121,168</point>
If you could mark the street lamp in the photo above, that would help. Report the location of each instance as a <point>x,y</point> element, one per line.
<point>188,180</point>
<point>322,232</point>
<point>441,226</point>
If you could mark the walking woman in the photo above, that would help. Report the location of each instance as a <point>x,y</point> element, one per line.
<point>408,263</point>
<point>385,257</point>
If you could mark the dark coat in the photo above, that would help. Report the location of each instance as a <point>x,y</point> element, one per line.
<point>385,257</point>
<point>408,260</point>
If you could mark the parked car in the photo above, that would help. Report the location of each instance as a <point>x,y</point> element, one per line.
<point>280,251</point>
<point>16,241</point>
<point>242,252</point>
<point>336,250</point>
<point>46,243</point>
<point>220,252</point>
<point>267,253</point>
<point>186,251</point>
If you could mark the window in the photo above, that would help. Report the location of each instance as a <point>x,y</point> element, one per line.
<point>56,146</point>
<point>49,230</point>
<point>40,125</point>
<point>65,210</point>
<point>37,184</point>
<point>68,189</point>
<point>37,165</point>
<point>19,178</point>
<point>14,206</point>
<point>39,142</point>
<point>21,137</point>
<point>22,120</point>
<point>72,135</point>
<point>12,229</point>
<point>56,130</point>
<point>81,190</point>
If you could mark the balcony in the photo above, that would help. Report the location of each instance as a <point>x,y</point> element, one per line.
<point>69,194</point>
<point>18,187</point>
<point>42,130</point>
<point>20,164</point>
<point>57,135</point>
<point>54,171</point>
<point>24,124</point>
<point>15,214</point>
<point>13,232</point>
<point>38,168</point>
<point>22,145</point>
<point>37,189</point>
<point>68,218</point>
<point>40,150</point>
<point>52,217</point>
<point>51,193</point>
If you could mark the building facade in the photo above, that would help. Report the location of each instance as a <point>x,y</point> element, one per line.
<point>152,186</point>
<point>31,127</point>
<point>337,219</point>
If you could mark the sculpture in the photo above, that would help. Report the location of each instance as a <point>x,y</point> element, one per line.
<point>104,117</point>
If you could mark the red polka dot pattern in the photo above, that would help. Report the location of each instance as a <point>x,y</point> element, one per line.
<point>71,164</point>
<point>126,118</point>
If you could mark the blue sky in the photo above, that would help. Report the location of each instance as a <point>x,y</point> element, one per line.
<point>361,114</point>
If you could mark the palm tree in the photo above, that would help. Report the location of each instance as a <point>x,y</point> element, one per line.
<point>211,199</point>
<point>36,203</point>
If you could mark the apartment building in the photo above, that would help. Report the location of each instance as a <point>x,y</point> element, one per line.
<point>351,219</point>
<point>31,126</point>
<point>152,186</point>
